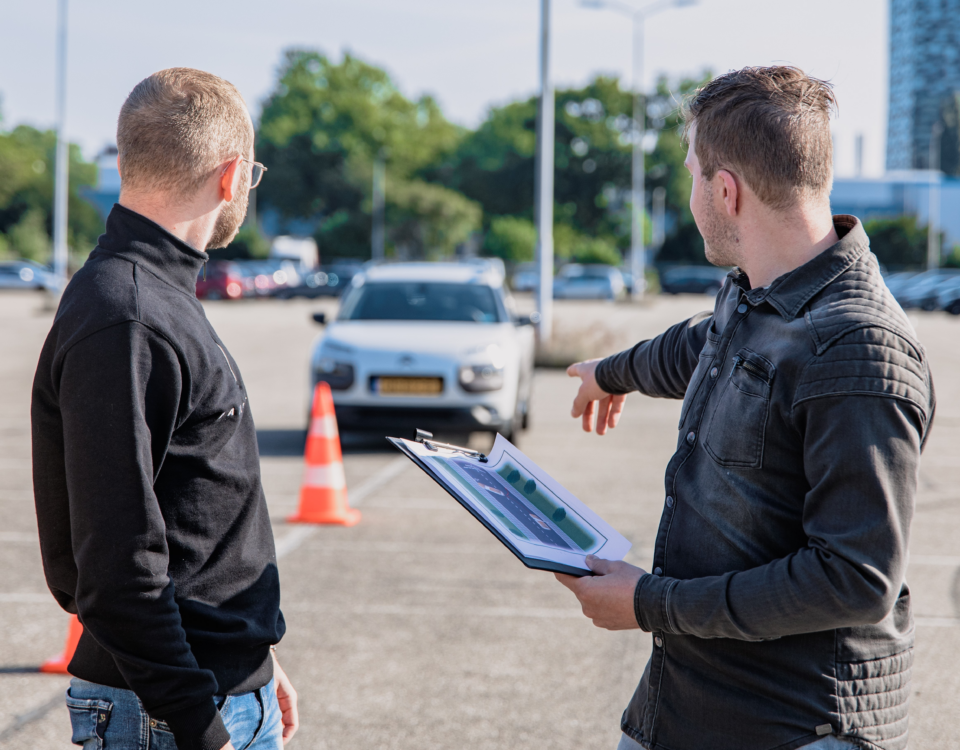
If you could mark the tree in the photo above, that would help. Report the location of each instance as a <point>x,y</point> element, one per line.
<point>511,238</point>
<point>898,242</point>
<point>320,132</point>
<point>27,158</point>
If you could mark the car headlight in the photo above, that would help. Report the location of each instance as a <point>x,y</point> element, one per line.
<point>477,378</point>
<point>338,375</point>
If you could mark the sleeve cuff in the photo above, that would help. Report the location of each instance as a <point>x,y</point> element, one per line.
<point>651,599</point>
<point>198,727</point>
<point>600,374</point>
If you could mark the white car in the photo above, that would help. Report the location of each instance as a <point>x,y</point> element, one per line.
<point>435,346</point>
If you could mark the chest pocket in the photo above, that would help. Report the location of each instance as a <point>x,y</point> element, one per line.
<point>735,434</point>
<point>707,355</point>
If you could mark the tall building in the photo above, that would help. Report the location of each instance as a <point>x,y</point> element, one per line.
<point>924,79</point>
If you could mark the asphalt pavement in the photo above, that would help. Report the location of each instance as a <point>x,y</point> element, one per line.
<point>415,628</point>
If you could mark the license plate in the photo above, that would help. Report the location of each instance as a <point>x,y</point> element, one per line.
<point>390,386</point>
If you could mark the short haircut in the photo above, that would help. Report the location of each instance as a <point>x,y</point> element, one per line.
<point>771,127</point>
<point>177,127</point>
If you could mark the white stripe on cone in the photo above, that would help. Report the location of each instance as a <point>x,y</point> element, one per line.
<point>325,427</point>
<point>328,477</point>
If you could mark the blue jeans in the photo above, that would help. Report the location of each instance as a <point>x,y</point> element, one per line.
<point>827,743</point>
<point>106,718</point>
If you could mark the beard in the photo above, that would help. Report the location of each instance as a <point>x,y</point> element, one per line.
<point>231,215</point>
<point>721,243</point>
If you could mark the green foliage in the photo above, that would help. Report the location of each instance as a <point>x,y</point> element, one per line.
<point>593,250</point>
<point>27,158</point>
<point>248,244</point>
<point>512,238</point>
<point>320,131</point>
<point>430,217</point>
<point>898,242</point>
<point>28,237</point>
<point>952,260</point>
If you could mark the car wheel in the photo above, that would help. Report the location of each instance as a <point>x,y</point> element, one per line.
<point>213,295</point>
<point>954,307</point>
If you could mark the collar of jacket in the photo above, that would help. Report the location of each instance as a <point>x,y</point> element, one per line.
<point>139,240</point>
<point>790,292</point>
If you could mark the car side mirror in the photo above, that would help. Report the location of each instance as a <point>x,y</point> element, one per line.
<point>320,318</point>
<point>528,320</point>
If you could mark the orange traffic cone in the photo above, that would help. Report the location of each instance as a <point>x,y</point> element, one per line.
<point>323,495</point>
<point>59,664</point>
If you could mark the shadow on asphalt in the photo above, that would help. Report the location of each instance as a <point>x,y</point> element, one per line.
<point>19,670</point>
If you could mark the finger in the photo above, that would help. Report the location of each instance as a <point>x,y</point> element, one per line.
<point>588,416</point>
<point>599,566</point>
<point>574,370</point>
<point>616,409</point>
<point>602,410</point>
<point>566,580</point>
<point>581,401</point>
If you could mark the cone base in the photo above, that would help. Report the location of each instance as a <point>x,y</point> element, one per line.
<point>55,666</point>
<point>349,517</point>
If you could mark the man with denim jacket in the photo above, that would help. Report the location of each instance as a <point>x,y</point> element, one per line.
<point>777,604</point>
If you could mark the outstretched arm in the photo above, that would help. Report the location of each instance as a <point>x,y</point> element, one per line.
<point>659,367</point>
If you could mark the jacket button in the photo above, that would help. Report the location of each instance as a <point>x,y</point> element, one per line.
<point>669,501</point>
<point>691,437</point>
<point>741,308</point>
<point>658,571</point>
<point>153,722</point>
<point>714,372</point>
<point>659,641</point>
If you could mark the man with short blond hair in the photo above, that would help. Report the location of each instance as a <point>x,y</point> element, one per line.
<point>153,525</point>
<point>777,604</point>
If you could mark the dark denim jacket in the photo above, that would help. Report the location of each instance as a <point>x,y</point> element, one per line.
<point>777,601</point>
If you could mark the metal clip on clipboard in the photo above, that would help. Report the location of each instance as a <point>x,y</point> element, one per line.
<point>426,438</point>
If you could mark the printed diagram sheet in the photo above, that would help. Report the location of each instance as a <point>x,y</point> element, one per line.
<point>522,505</point>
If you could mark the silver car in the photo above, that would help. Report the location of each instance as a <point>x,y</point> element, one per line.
<point>590,281</point>
<point>25,274</point>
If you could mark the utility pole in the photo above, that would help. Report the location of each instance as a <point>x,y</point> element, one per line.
<point>933,225</point>
<point>61,174</point>
<point>544,181</point>
<point>638,188</point>
<point>379,205</point>
<point>638,197</point>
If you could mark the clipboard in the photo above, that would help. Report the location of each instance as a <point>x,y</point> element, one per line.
<point>528,511</point>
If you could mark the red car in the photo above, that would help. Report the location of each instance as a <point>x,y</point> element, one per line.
<point>223,281</point>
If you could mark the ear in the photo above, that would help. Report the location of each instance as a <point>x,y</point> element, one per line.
<point>729,192</point>
<point>230,178</point>
<point>118,165</point>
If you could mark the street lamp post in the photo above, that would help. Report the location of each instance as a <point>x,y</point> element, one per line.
<point>933,223</point>
<point>61,174</point>
<point>638,188</point>
<point>544,182</point>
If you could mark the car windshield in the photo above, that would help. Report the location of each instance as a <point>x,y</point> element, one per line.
<point>415,300</point>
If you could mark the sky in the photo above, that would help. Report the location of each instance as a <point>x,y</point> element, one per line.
<point>469,55</point>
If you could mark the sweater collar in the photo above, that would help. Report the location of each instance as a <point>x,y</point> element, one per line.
<point>136,238</point>
<point>790,292</point>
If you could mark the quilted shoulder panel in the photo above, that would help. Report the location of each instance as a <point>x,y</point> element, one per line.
<point>864,343</point>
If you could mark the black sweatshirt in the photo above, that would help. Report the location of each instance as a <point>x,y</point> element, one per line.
<point>153,524</point>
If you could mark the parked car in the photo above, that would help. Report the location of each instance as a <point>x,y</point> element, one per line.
<point>526,277</point>
<point>25,274</point>
<point>427,345</point>
<point>896,281</point>
<point>693,279</point>
<point>326,281</point>
<point>220,280</point>
<point>257,279</point>
<point>588,281</point>
<point>948,296</point>
<point>921,290</point>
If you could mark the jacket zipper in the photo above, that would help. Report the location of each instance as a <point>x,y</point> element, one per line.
<point>750,367</point>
